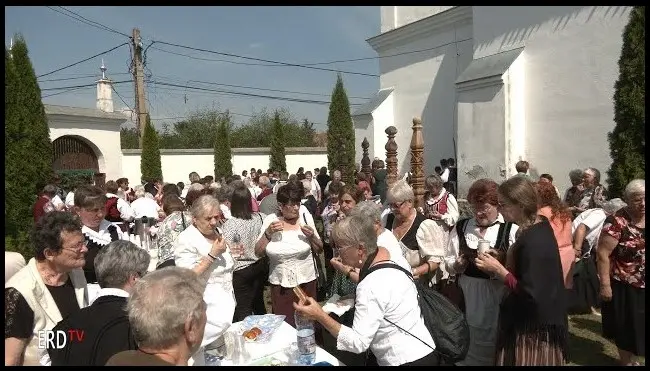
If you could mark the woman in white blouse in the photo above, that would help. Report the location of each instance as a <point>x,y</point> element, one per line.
<point>382,296</point>
<point>290,241</point>
<point>202,248</point>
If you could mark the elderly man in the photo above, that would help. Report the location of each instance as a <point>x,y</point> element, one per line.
<point>167,315</point>
<point>105,324</point>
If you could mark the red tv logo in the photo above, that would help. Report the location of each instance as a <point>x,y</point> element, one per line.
<point>50,339</point>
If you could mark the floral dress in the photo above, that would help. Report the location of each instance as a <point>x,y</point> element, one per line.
<point>168,233</point>
<point>592,198</point>
<point>627,261</point>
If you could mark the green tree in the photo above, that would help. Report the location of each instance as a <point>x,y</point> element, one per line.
<point>627,140</point>
<point>150,165</point>
<point>277,159</point>
<point>28,149</point>
<point>129,138</point>
<point>340,134</point>
<point>222,151</point>
<point>307,132</point>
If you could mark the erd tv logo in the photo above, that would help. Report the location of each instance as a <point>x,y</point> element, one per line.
<point>50,339</point>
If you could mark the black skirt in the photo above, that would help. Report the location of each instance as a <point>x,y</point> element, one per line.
<point>585,292</point>
<point>624,317</point>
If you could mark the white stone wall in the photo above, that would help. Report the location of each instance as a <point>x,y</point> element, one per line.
<point>397,16</point>
<point>178,163</point>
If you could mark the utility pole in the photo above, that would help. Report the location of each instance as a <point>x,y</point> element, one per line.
<point>138,81</point>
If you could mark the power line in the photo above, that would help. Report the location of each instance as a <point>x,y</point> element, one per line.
<point>266,60</point>
<point>122,99</point>
<point>84,20</point>
<point>66,91</point>
<point>82,77</point>
<point>228,92</point>
<point>83,86</point>
<point>83,60</point>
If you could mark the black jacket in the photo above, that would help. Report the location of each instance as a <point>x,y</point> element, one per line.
<point>106,332</point>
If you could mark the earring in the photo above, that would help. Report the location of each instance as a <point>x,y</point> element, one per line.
<point>360,261</point>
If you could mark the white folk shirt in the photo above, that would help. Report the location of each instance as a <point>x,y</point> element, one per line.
<point>219,295</point>
<point>472,236</point>
<point>451,216</point>
<point>390,294</point>
<point>593,219</point>
<point>388,241</point>
<point>145,206</point>
<point>126,213</point>
<point>69,200</point>
<point>290,257</point>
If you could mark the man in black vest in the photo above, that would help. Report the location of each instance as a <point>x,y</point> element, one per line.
<point>102,330</point>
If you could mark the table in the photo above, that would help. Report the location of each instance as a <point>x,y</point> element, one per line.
<point>280,341</point>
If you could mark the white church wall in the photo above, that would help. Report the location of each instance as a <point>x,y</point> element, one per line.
<point>571,66</point>
<point>398,16</point>
<point>178,163</point>
<point>363,128</point>
<point>383,118</point>
<point>424,87</point>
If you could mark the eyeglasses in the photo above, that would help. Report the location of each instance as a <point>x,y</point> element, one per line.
<point>483,210</point>
<point>77,248</point>
<point>396,205</point>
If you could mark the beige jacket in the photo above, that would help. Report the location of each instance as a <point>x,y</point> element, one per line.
<point>29,283</point>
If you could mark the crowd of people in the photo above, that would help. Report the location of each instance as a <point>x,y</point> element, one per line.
<point>525,259</point>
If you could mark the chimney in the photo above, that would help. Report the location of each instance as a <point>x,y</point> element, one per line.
<point>104,92</point>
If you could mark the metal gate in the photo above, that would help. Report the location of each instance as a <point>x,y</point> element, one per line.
<point>71,153</point>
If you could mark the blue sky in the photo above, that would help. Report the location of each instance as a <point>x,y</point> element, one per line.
<point>301,35</point>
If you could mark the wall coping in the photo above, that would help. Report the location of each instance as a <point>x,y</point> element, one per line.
<point>235,151</point>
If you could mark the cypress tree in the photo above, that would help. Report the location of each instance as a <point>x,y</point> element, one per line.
<point>150,165</point>
<point>340,134</point>
<point>627,140</point>
<point>222,151</point>
<point>28,149</point>
<point>277,161</point>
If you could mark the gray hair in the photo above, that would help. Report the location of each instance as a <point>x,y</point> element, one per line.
<point>263,180</point>
<point>161,303</point>
<point>201,204</point>
<point>433,180</point>
<point>118,261</point>
<point>225,193</point>
<point>247,182</point>
<point>613,205</point>
<point>214,186</point>
<point>368,210</point>
<point>196,187</point>
<point>400,191</point>
<point>634,187</point>
<point>576,174</point>
<point>595,172</point>
<point>139,191</point>
<point>356,230</point>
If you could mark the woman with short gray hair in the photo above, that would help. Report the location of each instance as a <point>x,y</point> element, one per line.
<point>202,248</point>
<point>621,270</point>
<point>594,193</point>
<point>421,240</point>
<point>386,300</point>
<point>167,314</point>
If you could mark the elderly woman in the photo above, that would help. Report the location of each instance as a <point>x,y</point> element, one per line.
<point>265,186</point>
<point>385,299</point>
<point>98,232</point>
<point>559,216</point>
<point>144,206</point>
<point>251,272</point>
<point>202,248</point>
<point>314,186</point>
<point>105,323</point>
<point>177,220</point>
<point>422,243</point>
<point>572,195</point>
<point>533,322</point>
<point>586,228</point>
<point>621,268</point>
<point>51,287</point>
<point>594,193</point>
<point>439,204</point>
<point>481,294</point>
<point>168,316</point>
<point>291,243</point>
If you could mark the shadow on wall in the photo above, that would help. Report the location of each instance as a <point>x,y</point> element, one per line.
<point>512,30</point>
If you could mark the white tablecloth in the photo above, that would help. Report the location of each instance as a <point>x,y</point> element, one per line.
<point>278,344</point>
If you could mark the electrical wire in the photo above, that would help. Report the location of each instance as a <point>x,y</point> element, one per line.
<point>82,77</point>
<point>266,60</point>
<point>122,99</point>
<point>83,60</point>
<point>83,86</point>
<point>66,91</point>
<point>80,18</point>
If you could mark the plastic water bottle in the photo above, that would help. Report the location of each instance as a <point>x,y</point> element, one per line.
<point>306,339</point>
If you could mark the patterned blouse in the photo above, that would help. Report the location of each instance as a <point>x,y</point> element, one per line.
<point>248,231</point>
<point>168,233</point>
<point>627,261</point>
<point>592,198</point>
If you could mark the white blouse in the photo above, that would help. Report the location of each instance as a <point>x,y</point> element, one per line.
<point>219,295</point>
<point>388,241</point>
<point>290,257</point>
<point>386,294</point>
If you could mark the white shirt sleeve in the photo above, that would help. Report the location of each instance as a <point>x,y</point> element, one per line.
<point>445,175</point>
<point>58,203</point>
<point>452,252</point>
<point>594,219</point>
<point>186,255</point>
<point>431,238</point>
<point>367,318</point>
<point>451,216</point>
<point>126,213</point>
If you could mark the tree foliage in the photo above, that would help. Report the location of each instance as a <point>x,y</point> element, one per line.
<point>277,159</point>
<point>340,134</point>
<point>222,151</point>
<point>627,140</point>
<point>150,165</point>
<point>28,149</point>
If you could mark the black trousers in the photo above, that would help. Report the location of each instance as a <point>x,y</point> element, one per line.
<point>431,359</point>
<point>329,272</point>
<point>248,284</point>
